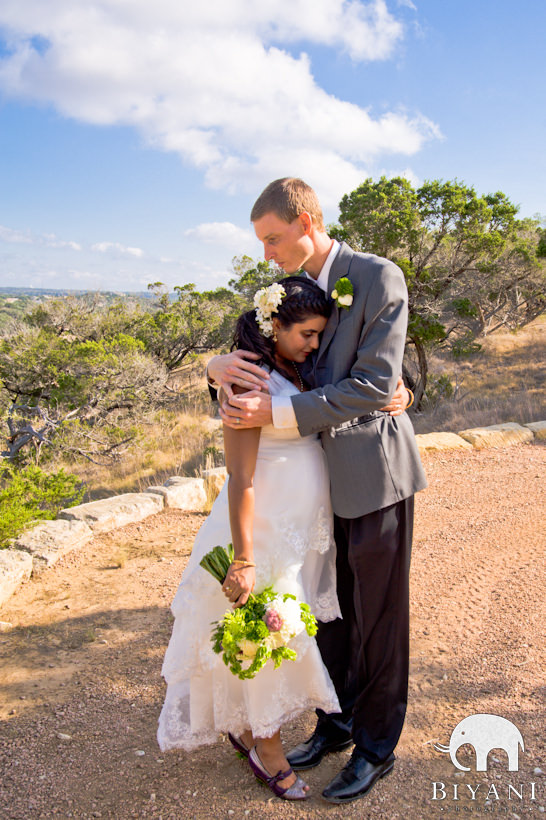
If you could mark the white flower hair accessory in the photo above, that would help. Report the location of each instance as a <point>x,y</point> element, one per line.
<point>266,302</point>
<point>343,293</point>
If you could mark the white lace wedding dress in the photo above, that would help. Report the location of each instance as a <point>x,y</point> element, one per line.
<point>294,552</point>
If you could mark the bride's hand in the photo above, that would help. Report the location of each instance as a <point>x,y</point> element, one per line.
<point>399,401</point>
<point>238,584</point>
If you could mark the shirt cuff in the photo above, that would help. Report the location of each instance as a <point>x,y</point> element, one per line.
<point>283,412</point>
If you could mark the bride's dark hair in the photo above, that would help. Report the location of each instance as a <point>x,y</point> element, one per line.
<point>303,300</point>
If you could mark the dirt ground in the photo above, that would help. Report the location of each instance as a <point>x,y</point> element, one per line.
<point>80,668</point>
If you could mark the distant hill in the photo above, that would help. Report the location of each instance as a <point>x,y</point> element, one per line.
<point>59,292</point>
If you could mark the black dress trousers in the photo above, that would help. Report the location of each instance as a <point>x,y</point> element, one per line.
<point>367,651</point>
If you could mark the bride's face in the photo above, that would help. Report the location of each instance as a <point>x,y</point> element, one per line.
<point>295,342</point>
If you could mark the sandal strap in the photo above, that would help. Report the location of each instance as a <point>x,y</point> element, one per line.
<point>274,779</point>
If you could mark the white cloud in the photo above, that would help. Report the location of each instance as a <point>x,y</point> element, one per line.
<point>212,82</point>
<point>15,236</point>
<point>221,233</point>
<point>48,240</point>
<point>406,173</point>
<point>51,241</point>
<point>117,249</point>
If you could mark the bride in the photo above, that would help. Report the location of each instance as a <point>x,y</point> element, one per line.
<point>275,509</point>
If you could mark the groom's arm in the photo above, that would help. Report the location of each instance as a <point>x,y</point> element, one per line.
<point>283,414</point>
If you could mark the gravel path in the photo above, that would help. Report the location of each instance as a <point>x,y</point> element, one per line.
<point>80,668</point>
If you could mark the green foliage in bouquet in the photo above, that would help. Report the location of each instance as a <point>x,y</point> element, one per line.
<point>247,637</point>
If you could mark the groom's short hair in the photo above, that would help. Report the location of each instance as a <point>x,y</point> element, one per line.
<point>288,198</point>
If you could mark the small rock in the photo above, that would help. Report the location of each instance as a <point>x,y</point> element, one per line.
<point>5,626</point>
<point>140,753</point>
<point>63,736</point>
<point>22,697</point>
<point>537,771</point>
<point>12,712</point>
<point>230,811</point>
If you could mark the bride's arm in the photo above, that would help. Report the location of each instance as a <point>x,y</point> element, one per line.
<point>241,449</point>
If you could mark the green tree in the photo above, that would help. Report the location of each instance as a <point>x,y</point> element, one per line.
<point>470,265</point>
<point>251,276</point>
<point>194,321</point>
<point>88,317</point>
<point>82,397</point>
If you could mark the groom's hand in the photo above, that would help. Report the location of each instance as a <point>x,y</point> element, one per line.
<point>251,409</point>
<point>237,368</point>
<point>399,401</point>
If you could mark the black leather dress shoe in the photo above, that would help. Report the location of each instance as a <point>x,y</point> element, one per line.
<point>356,778</point>
<point>310,753</point>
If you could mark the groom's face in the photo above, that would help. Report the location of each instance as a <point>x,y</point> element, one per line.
<point>286,243</point>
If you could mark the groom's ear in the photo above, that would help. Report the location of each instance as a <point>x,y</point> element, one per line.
<point>306,222</point>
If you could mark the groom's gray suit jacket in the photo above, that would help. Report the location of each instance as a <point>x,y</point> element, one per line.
<point>372,457</point>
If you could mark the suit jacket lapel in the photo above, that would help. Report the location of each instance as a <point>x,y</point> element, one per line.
<point>340,267</point>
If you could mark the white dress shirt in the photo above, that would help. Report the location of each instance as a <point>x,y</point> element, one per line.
<point>281,406</point>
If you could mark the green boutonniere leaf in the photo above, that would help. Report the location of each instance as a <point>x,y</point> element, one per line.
<point>343,293</point>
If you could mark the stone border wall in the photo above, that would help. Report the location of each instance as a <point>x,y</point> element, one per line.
<point>41,547</point>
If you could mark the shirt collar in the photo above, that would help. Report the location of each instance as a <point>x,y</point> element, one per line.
<point>322,279</point>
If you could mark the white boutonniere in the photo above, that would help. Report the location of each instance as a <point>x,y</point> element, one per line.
<point>343,293</point>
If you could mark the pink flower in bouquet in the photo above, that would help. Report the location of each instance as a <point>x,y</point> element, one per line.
<point>273,620</point>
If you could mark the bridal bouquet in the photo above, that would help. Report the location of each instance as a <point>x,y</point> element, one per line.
<point>261,629</point>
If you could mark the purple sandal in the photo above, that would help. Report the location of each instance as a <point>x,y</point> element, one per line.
<point>296,791</point>
<point>239,746</point>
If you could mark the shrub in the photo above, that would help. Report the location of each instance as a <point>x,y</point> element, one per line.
<point>30,494</point>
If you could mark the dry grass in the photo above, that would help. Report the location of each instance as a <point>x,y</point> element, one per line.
<point>181,440</point>
<point>503,382</point>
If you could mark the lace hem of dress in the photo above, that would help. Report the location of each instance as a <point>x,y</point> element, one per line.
<point>176,734</point>
<point>320,537</point>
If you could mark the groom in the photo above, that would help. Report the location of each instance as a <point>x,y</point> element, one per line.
<point>374,470</point>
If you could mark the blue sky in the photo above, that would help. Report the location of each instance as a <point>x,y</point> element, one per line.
<point>134,137</point>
